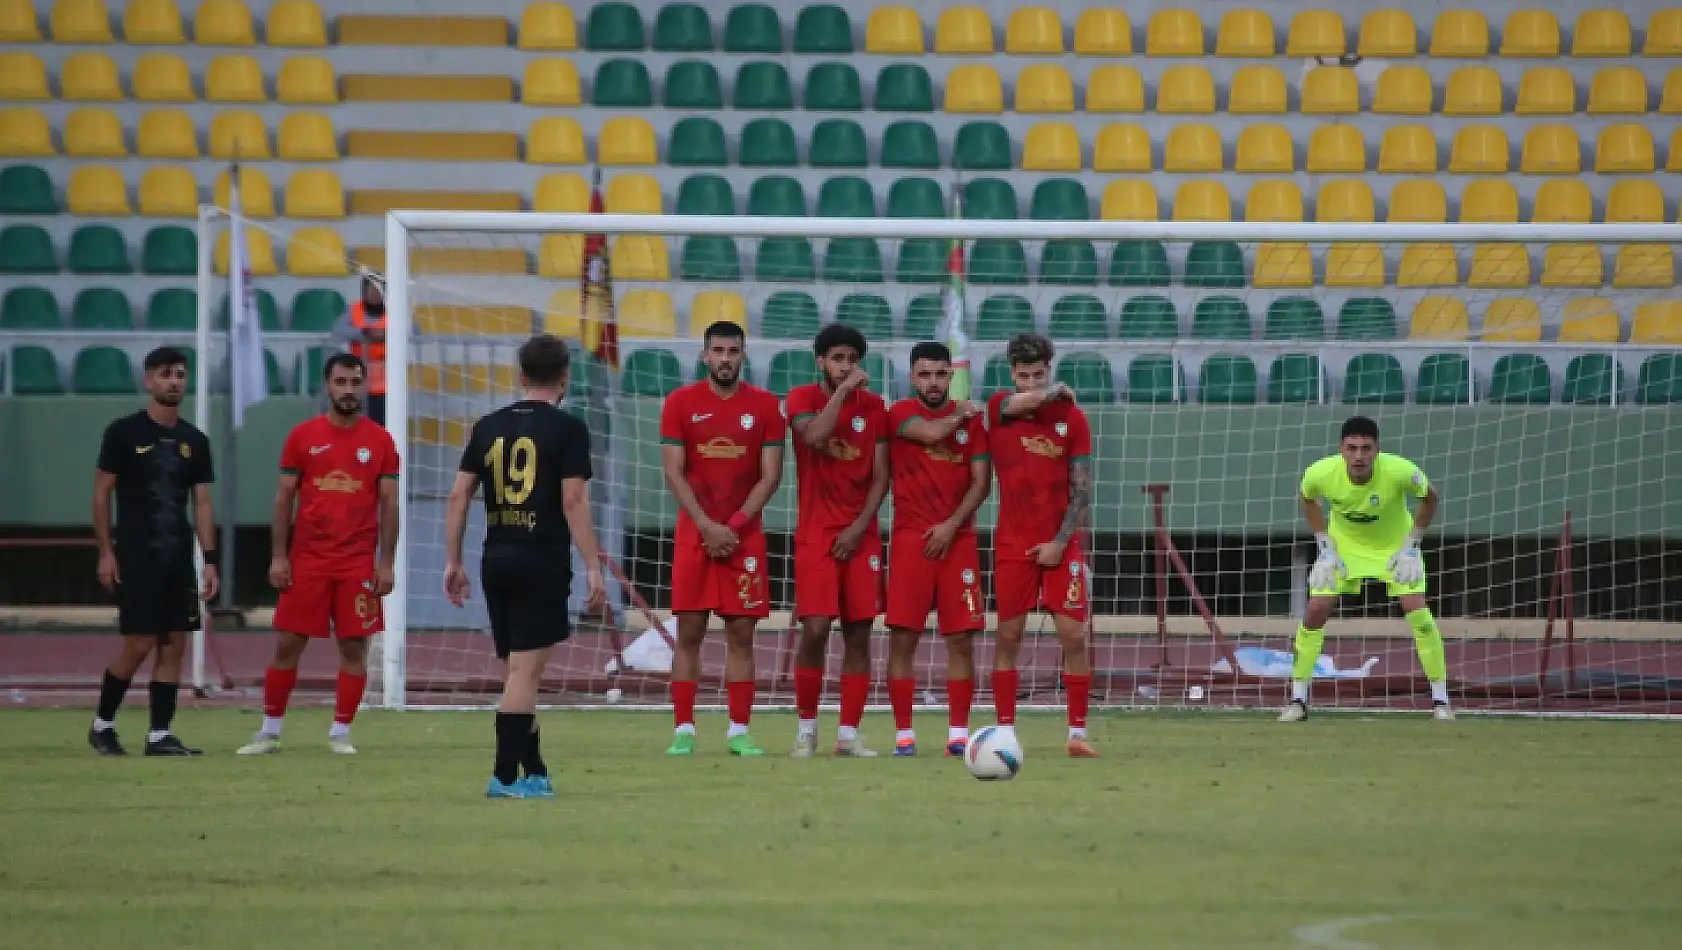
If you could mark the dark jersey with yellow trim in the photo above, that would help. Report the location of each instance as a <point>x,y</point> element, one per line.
<point>522,454</point>
<point>156,468</point>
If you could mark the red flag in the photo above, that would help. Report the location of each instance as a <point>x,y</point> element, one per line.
<point>601,329</point>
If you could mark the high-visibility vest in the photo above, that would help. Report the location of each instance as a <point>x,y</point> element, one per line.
<point>371,353</point>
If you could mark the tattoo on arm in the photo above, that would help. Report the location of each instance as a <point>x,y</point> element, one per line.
<point>1080,499</point>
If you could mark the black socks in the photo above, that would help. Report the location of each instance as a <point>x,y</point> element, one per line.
<point>513,734</point>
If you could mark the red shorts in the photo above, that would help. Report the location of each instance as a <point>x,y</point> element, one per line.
<point>849,590</point>
<point>1020,585</point>
<point>320,606</point>
<point>951,586</point>
<point>733,586</point>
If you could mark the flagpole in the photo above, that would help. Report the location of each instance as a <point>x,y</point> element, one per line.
<point>601,340</point>
<point>230,466</point>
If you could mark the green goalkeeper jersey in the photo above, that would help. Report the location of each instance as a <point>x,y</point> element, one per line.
<point>1371,519</point>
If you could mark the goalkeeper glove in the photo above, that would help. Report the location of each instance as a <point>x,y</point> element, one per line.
<point>1328,567</point>
<point>1407,566</point>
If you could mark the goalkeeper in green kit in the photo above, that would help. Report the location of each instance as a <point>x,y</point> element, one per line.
<point>1371,536</point>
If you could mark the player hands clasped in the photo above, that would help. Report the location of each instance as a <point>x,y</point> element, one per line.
<point>152,459</point>
<point>841,454</point>
<point>941,475</point>
<point>1041,447</point>
<point>721,447</point>
<point>534,460</point>
<point>1371,536</point>
<point>333,542</point>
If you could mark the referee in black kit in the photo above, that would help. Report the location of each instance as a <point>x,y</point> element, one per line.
<point>152,459</point>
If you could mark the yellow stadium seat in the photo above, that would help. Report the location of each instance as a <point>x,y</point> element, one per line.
<point>626,140</point>
<point>80,21</point>
<point>1359,264</point>
<point>640,257</point>
<point>1122,147</point>
<point>97,190</point>
<point>1670,102</point>
<point>1186,90</point>
<point>167,133</point>
<point>1590,320</point>
<point>1273,200</point>
<point>296,23</point>
<point>17,22</point>
<point>1479,149</point>
<point>239,136</point>
<point>1462,34</point>
<point>1283,265</point>
<point>1572,265</point>
<point>1034,31</point>
<point>711,306</point>
<point>306,80</point>
<point>555,140</point>
<point>562,193</point>
<point>94,133</point>
<point>1512,320</point>
<point>561,256</point>
<point>647,313</point>
<point>1193,147</point>
<point>1428,265</point>
<point>1635,201</point>
<point>1344,199</point>
<point>1044,87</point>
<point>234,79</point>
<point>162,77</point>
<point>1551,150</point>
<point>1563,201</point>
<point>1440,318</point>
<point>1546,90</point>
<point>24,134</point>
<point>1336,149</point>
<point>963,30</point>
<point>90,77</point>
<point>1494,201</point>
<point>1202,200</point>
<point>259,249</point>
<point>1473,90</point>
<point>973,87</point>
<point>256,196</point>
<point>152,22</point>
<point>1174,33</point>
<point>1129,199</point>
<point>1408,149</point>
<point>1644,265</point>
<point>1113,88</point>
<point>1388,33</point>
<point>551,82</point>
<point>1675,162</point>
<point>1601,33</point>
<point>316,252</point>
<point>168,191</point>
<point>315,193</point>
<point>1618,90</point>
<point>893,30</point>
<point>23,77</point>
<point>307,137</point>
<point>1331,90</point>
<point>1316,33</point>
<point>1051,147</point>
<point>1256,90</point>
<point>548,27</point>
<point>1531,33</point>
<point>562,318</point>
<point>223,23</point>
<point>1624,148</point>
<point>1418,201</point>
<point>1264,148</point>
<point>1100,32</point>
<point>1657,322</point>
<point>1244,32</point>
<point>1664,33</point>
<point>632,193</point>
<point>1403,90</point>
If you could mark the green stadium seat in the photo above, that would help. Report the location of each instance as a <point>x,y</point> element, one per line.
<point>706,194</point>
<point>777,196</point>
<point>589,376</point>
<point>622,84</point>
<point>995,376</point>
<point>791,368</point>
<point>847,196</point>
<point>102,371</point>
<point>1139,264</point>
<point>909,143</point>
<point>785,258</point>
<point>1521,378</point>
<point>869,314</point>
<point>1069,262</point>
<point>1660,380</point>
<point>916,198</point>
<point>650,371</point>
<point>26,249</point>
<point>1366,318</point>
<point>997,261</point>
<point>271,366</point>
<point>789,315</point>
<point>1215,264</point>
<point>697,141</point>
<point>989,199</point>
<point>1150,380</point>
<point>1374,378</point>
<point>753,28</point>
<point>904,87</point>
<point>1079,317</point>
<point>833,87</point>
<point>176,310</point>
<point>922,261</point>
<point>682,28</point>
<point>982,147</point>
<point>268,313</point>
<point>853,260</point>
<point>700,372</point>
<point>693,84</point>
<point>99,249</point>
<point>614,27</point>
<point>1221,318</point>
<point>1294,318</point>
<point>1149,317</point>
<point>311,363</point>
<point>192,356</point>
<point>35,372</point>
<point>1296,378</point>
<point>101,308</point>
<point>922,317</point>
<point>710,259</point>
<point>762,85</point>
<point>1003,317</point>
<point>1445,379</point>
<point>767,142</point>
<point>317,310</point>
<point>881,376</point>
<point>26,189</point>
<point>170,252</point>
<point>823,28</point>
<point>1090,376</point>
<point>839,143</point>
<point>1059,199</point>
<point>29,308</point>
<point>1227,380</point>
<point>1591,379</point>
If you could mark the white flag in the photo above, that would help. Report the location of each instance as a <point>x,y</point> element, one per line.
<point>245,348</point>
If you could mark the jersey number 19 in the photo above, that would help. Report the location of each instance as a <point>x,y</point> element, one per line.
<point>513,470</point>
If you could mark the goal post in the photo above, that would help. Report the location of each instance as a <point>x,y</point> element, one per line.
<point>1215,359</point>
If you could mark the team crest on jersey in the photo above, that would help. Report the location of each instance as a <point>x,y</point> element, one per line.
<point>1062,429</point>
<point>747,420</point>
<point>1074,568</point>
<point>363,455</point>
<point>750,565</point>
<point>1372,500</point>
<point>875,563</point>
<point>969,576</point>
<point>858,423</point>
<point>963,437</point>
<point>186,451</point>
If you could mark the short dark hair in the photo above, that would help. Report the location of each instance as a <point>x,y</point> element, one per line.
<point>930,350</point>
<point>1358,426</point>
<point>837,334</point>
<point>1029,348</point>
<point>724,330</point>
<point>164,356</point>
<point>544,359</point>
<point>347,360</point>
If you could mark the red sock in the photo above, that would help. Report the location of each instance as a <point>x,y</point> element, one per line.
<point>808,689</point>
<point>277,690</point>
<point>1079,686</point>
<point>901,694</point>
<point>855,689</point>
<point>959,695</point>
<point>347,695</point>
<point>683,701</point>
<point>739,696</point>
<point>1004,695</point>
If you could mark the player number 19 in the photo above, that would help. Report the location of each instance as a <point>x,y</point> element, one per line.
<point>514,471</point>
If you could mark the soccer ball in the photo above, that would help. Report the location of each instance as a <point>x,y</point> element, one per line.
<point>993,754</point>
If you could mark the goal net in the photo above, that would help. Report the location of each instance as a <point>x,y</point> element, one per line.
<point>1533,372</point>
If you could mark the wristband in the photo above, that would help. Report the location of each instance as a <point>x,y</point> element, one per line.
<point>738,521</point>
<point>1416,537</point>
<point>1324,541</point>
<point>212,558</point>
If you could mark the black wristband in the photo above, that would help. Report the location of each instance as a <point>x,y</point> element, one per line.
<point>212,559</point>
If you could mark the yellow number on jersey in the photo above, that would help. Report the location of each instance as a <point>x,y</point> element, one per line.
<point>513,473</point>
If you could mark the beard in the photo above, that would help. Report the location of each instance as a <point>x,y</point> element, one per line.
<point>169,400</point>
<point>348,405</point>
<point>935,402</point>
<point>724,375</point>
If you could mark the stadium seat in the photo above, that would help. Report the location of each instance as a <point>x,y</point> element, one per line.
<point>916,198</point>
<point>1069,263</point>
<point>846,197</point>
<point>622,84</point>
<point>222,23</point>
<point>1003,317</point>
<point>308,137</point>
<point>35,372</point>
<point>89,77</point>
<point>1103,32</point>
<point>1123,147</point>
<point>29,308</point>
<point>682,28</point>
<point>982,146</point>
<point>1174,32</point>
<point>1546,90</point>
<point>640,257</point>
<point>767,143</point>
<point>1185,90</point>
<point>1256,90</point>
<point>693,84</point>
<point>238,135</point>
<point>1590,320</point>
<point>316,310</point>
<point>1387,34</point>
<point>1440,318</point>
<point>17,22</point>
<point>1374,378</point>
<point>1033,31</point>
<point>162,77</point>
<point>256,194</point>
<point>1521,378</point>
<point>1530,33</point>
<point>1659,382</point>
<point>712,306</point>
<point>102,371</point>
<point>234,79</point>
<point>791,368</point>
<point>1059,199</point>
<point>316,193</point>
<point>167,133</point>
<point>1479,149</point>
<point>1078,317</point>
<point>1445,379</point>
<point>298,23</point>
<point>651,371</point>
<point>26,189</point>
<point>1418,201</point>
<point>710,259</point>
<point>1193,147</point>
<point>963,30</point>
<point>833,87</point>
<point>1273,200</point>
<point>753,28</point>
<point>698,194</point>
<point>893,30</point>
<point>1115,88</point>
<point>306,80</point>
<point>644,313</point>
<point>995,377</point>
<point>923,315</point>
<point>1264,148</point>
<point>763,85</point>
<point>1428,265</point>
<point>1618,90</point>
<point>1244,32</point>
<point>1139,264</point>
<point>1473,90</point>
<point>1627,147</point>
<point>98,249</point>
<point>1357,264</point>
<point>1052,147</point>
<point>1090,376</point>
<point>1331,90</point>
<point>823,28</point>
<point>1664,33</point>
<point>1563,201</point>
<point>1512,320</point>
<point>1202,200</point>
<point>1151,380</point>
<point>1221,318</point>
<point>1657,323</point>
<point>922,261</point>
<point>1297,378</point>
<point>1670,100</point>
<point>1336,148</point>
<point>1551,150</point>
<point>789,315</point>
<point>94,133</point>
<point>80,21</point>
<point>995,261</point>
<point>1043,87</point>
<point>695,141</point>
<point>1601,33</point>
<point>544,26</point>
<point>1572,265</point>
<point>615,27</point>
<point>1227,380</point>
<point>1402,90</point>
<point>24,133</point>
<point>1460,33</point>
<point>169,252</point>
<point>554,82</point>
<point>566,194</point>
<point>1149,317</point>
<point>1491,201</point>
<point>259,248</point>
<point>153,22</point>
<point>1294,318</point>
<point>1316,33</point>
<point>626,140</point>
<point>1366,318</point>
<point>23,77</point>
<point>903,87</point>
<point>97,191</point>
<point>776,196</point>
<point>867,313</point>
<point>1344,199</point>
<point>974,88</point>
<point>838,143</point>
<point>101,308</point>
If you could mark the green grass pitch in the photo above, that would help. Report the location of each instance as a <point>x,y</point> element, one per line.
<point>1206,832</point>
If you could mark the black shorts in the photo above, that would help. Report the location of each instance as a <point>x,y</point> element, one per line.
<point>526,596</point>
<point>156,597</point>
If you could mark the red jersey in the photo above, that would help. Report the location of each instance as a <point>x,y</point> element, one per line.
<point>835,480</point>
<point>336,530</point>
<point>931,480</point>
<point>722,437</point>
<point>1032,455</point>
